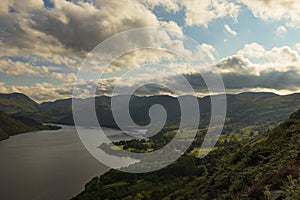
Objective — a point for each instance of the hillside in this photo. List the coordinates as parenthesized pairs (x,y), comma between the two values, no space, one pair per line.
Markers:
(266,167)
(16,103)
(257,111)
(247,113)
(11,125)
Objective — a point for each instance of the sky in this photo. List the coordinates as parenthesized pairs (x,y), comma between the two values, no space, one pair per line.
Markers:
(253,44)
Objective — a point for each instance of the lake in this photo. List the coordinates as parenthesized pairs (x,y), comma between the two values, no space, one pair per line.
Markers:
(46,165)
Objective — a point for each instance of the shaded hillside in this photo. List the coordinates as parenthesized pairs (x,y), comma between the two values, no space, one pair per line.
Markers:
(259,110)
(10,125)
(16,103)
(247,112)
(267,167)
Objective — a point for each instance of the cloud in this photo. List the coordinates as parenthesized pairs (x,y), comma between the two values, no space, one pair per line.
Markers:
(201,13)
(82,26)
(229,30)
(254,68)
(17,68)
(40,92)
(278,58)
(287,10)
(51,42)
(69,77)
(170,5)
(266,81)
(297,46)
(281,30)
(79,25)
(235,64)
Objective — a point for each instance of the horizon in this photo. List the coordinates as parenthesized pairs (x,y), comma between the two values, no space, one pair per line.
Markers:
(158,95)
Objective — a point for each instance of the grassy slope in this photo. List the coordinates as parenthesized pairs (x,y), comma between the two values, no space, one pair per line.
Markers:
(264,168)
(254,169)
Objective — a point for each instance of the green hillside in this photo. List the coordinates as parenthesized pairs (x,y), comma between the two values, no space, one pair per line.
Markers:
(266,167)
(260,169)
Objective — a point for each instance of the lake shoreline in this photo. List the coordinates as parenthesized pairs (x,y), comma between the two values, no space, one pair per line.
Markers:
(43,127)
(55,165)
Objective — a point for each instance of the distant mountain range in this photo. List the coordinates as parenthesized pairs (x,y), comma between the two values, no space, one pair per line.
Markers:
(259,109)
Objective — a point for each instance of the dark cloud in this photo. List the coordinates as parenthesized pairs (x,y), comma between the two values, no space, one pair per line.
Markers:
(236,64)
(71,27)
(276,80)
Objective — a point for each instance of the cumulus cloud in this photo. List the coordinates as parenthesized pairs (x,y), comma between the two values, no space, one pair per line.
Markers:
(201,13)
(254,67)
(40,92)
(79,26)
(287,10)
(17,68)
(65,77)
(170,5)
(297,46)
(229,30)
(235,64)
(281,30)
(279,58)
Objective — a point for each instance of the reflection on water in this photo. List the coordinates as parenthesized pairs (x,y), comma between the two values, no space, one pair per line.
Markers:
(93,138)
(47,165)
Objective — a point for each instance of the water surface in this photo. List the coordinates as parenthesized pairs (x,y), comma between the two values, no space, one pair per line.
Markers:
(46,165)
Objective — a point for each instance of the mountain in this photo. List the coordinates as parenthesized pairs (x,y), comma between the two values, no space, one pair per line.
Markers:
(11,125)
(16,103)
(261,111)
(266,167)
(15,112)
(251,112)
